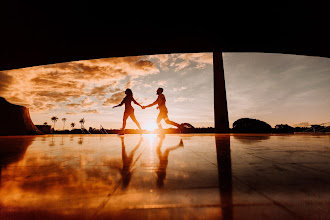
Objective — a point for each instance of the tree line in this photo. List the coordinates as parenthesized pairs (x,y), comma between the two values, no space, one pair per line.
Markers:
(55,119)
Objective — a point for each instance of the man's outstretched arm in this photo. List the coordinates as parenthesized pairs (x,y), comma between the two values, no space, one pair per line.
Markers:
(152,104)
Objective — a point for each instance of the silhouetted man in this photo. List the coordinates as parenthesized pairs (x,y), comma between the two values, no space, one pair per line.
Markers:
(163,160)
(162,110)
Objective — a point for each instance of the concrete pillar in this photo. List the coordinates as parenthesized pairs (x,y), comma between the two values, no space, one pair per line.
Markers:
(221,122)
(225,175)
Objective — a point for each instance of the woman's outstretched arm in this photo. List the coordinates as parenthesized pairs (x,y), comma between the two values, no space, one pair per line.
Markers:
(122,102)
(136,102)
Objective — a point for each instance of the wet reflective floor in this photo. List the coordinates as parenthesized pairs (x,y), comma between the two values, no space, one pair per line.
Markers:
(172,177)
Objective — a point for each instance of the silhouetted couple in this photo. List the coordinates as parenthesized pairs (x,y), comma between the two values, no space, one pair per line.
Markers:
(129,110)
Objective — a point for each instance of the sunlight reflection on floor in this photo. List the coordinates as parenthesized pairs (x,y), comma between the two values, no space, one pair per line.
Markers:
(168,177)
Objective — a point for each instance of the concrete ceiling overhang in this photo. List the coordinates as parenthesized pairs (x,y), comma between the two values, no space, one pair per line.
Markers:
(32,36)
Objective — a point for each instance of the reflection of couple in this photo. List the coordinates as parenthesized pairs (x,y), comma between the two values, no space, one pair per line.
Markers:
(126,170)
(129,110)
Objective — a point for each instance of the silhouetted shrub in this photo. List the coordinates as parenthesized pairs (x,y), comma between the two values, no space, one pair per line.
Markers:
(249,125)
(283,129)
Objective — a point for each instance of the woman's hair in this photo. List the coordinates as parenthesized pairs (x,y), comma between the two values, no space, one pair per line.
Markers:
(129,92)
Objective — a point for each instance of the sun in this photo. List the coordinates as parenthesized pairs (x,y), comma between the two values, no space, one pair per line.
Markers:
(150,126)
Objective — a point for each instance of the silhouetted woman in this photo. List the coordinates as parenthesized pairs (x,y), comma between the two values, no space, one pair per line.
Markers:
(129,110)
(126,171)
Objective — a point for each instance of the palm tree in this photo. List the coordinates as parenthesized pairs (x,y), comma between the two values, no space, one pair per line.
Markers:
(64,120)
(45,123)
(73,124)
(82,121)
(54,119)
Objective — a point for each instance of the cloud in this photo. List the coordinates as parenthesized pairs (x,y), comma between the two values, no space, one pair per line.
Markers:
(128,84)
(94,111)
(161,83)
(101,91)
(114,99)
(163,60)
(192,60)
(148,100)
(179,89)
(182,99)
(145,65)
(71,113)
(183,61)
(16,100)
(118,67)
(55,83)
(41,106)
(5,82)
(56,96)
(181,65)
(73,105)
(87,102)
(302,124)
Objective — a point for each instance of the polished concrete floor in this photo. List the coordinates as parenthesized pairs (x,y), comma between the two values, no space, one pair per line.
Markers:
(173,177)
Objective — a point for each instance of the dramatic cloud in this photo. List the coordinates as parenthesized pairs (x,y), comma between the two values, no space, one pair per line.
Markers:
(5,82)
(183,61)
(56,96)
(85,103)
(67,85)
(163,60)
(114,99)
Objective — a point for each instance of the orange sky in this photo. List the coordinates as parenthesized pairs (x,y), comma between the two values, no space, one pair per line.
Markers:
(275,88)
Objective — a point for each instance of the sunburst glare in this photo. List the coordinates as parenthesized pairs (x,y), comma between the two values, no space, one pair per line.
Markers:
(150,138)
(150,126)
